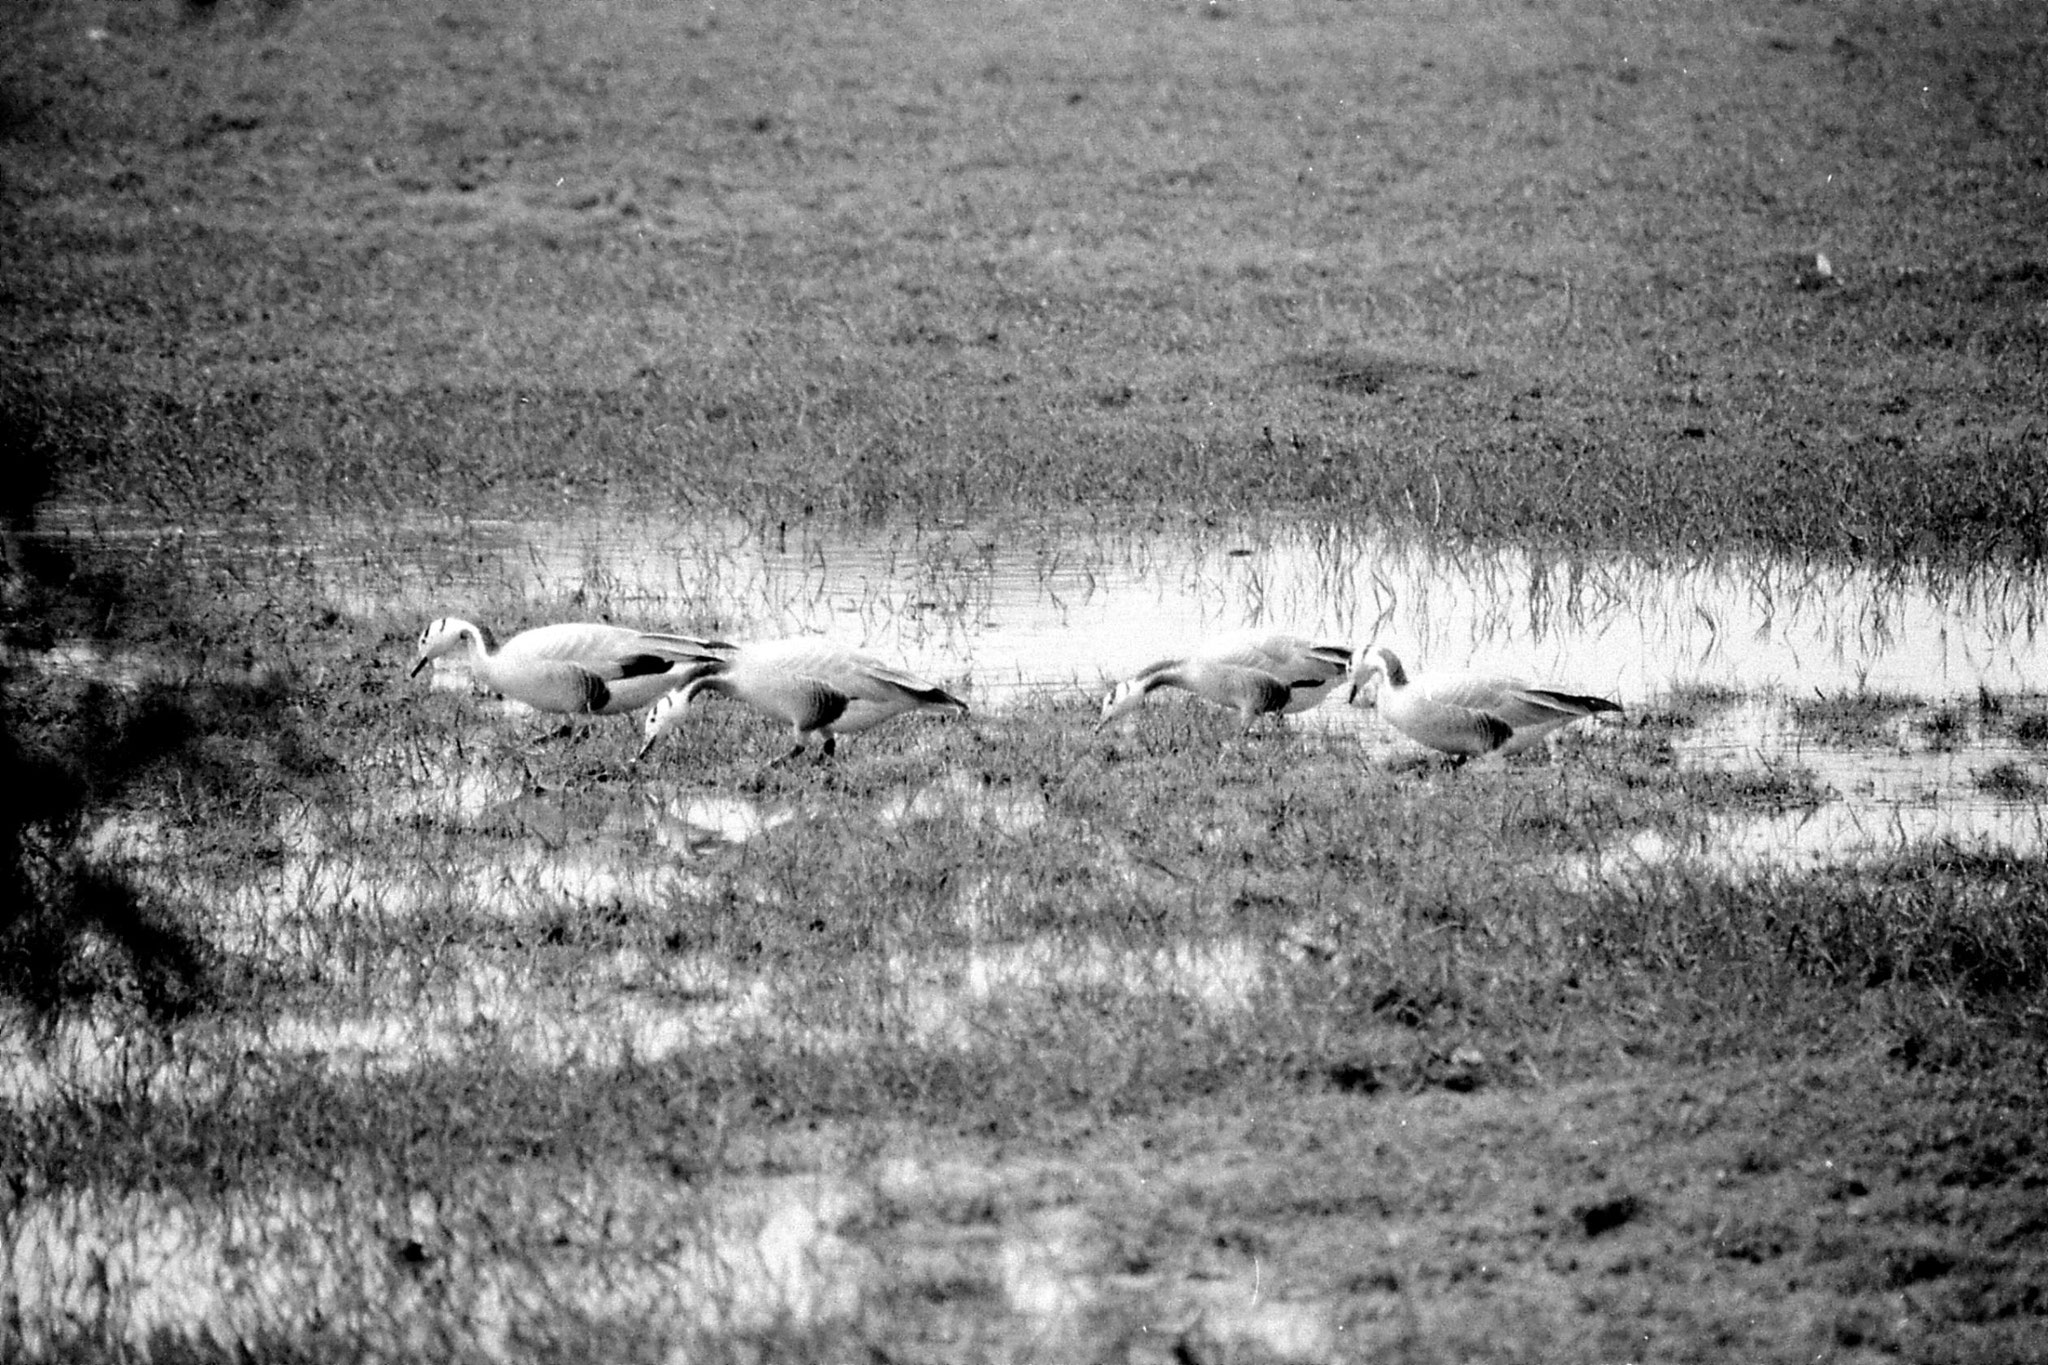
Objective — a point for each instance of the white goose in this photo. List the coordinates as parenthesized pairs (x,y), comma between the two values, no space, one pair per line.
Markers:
(816,687)
(1467,714)
(575,668)
(1254,673)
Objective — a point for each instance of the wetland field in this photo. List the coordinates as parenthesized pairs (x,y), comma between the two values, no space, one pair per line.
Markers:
(1690,355)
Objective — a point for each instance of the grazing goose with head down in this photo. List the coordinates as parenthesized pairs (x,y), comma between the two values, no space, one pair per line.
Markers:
(1468,714)
(810,684)
(575,668)
(1254,673)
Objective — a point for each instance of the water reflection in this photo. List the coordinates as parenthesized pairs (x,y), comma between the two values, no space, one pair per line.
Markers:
(1020,610)
(1016,612)
(1877,800)
(1007,610)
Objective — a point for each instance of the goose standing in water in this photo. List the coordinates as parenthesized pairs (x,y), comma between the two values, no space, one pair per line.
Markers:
(1468,714)
(1254,673)
(810,684)
(582,668)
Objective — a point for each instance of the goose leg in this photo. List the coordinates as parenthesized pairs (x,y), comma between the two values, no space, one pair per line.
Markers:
(760,777)
(796,751)
(547,740)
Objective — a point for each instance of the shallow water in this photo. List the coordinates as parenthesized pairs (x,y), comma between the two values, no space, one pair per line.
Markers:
(1009,611)
(1876,799)
(1003,613)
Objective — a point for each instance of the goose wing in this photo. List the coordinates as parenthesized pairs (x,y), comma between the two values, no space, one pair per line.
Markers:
(1309,670)
(1445,719)
(546,684)
(1285,656)
(1478,691)
(1568,704)
(589,667)
(575,641)
(685,647)
(1247,688)
(598,644)
(1475,713)
(881,684)
(855,675)
(1513,700)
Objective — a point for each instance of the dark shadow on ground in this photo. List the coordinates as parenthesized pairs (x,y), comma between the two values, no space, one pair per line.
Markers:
(71,748)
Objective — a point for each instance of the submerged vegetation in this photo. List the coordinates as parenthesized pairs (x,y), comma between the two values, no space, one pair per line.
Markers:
(344,1020)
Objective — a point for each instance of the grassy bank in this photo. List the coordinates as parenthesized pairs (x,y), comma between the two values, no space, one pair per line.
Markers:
(1501,271)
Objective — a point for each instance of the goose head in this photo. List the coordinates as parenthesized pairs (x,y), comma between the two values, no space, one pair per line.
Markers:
(446,635)
(1378,662)
(666,713)
(1121,701)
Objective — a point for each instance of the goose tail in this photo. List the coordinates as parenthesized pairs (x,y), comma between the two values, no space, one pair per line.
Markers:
(939,699)
(684,648)
(1572,702)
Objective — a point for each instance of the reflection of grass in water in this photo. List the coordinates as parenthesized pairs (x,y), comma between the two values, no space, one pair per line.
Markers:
(1865,718)
(1852,718)
(2031,729)
(2011,781)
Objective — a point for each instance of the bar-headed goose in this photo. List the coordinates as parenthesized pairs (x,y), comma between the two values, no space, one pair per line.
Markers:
(574,668)
(1468,714)
(810,684)
(1253,672)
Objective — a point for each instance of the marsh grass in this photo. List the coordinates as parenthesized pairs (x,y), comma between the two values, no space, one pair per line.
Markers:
(985,934)
(448,963)
(998,1039)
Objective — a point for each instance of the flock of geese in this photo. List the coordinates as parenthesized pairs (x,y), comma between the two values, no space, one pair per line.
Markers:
(821,689)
